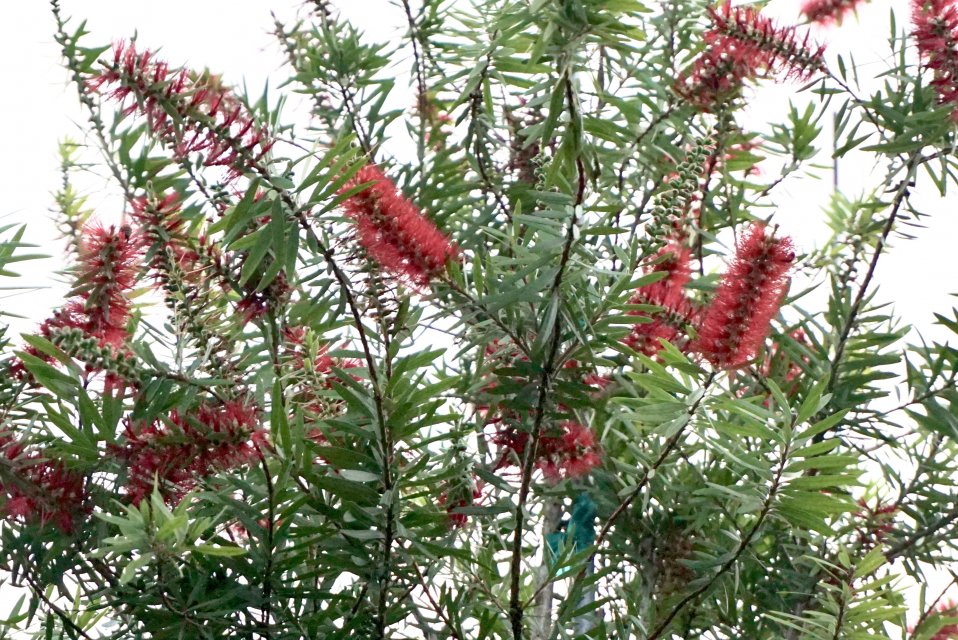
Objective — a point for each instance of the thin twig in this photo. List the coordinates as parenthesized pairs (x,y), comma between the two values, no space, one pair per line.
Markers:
(647,474)
(516,607)
(901,193)
(742,546)
(52,606)
(435,605)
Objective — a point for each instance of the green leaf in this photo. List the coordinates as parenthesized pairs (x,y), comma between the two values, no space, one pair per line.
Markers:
(48,376)
(219,550)
(870,563)
(129,571)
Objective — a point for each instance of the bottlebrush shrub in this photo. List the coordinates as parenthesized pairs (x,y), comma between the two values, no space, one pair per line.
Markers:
(511,339)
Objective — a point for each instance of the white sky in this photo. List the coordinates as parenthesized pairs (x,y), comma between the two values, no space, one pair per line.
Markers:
(38,108)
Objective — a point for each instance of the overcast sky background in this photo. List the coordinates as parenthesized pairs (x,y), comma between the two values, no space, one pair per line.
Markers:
(38,108)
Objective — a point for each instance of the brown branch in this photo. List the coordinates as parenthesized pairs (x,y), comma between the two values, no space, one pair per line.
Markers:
(516,607)
(928,611)
(56,610)
(435,605)
(946,520)
(270,533)
(647,474)
(728,564)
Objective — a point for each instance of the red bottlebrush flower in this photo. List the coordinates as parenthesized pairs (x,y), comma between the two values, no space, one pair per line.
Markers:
(673,259)
(947,609)
(588,376)
(874,522)
(455,498)
(161,214)
(597,381)
(574,452)
(41,490)
(109,264)
(828,11)
(936,34)
(718,74)
(188,112)
(780,49)
(164,230)
(513,443)
(256,304)
(393,231)
(253,306)
(107,270)
(646,338)
(743,44)
(314,374)
(171,247)
(668,293)
(738,319)
(177,454)
(175,258)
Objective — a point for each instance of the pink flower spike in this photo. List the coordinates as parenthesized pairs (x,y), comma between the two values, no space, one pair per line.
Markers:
(189,447)
(569,450)
(44,490)
(743,45)
(780,49)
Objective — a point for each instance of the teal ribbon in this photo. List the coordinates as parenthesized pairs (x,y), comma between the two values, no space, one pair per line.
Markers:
(578,533)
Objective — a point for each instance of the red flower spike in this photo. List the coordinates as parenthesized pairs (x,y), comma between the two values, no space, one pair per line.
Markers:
(45,490)
(316,371)
(779,49)
(597,381)
(936,34)
(668,293)
(874,522)
(749,296)
(109,264)
(574,452)
(106,272)
(947,609)
(673,259)
(393,231)
(742,45)
(208,117)
(719,74)
(164,229)
(162,214)
(456,519)
(828,11)
(212,438)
